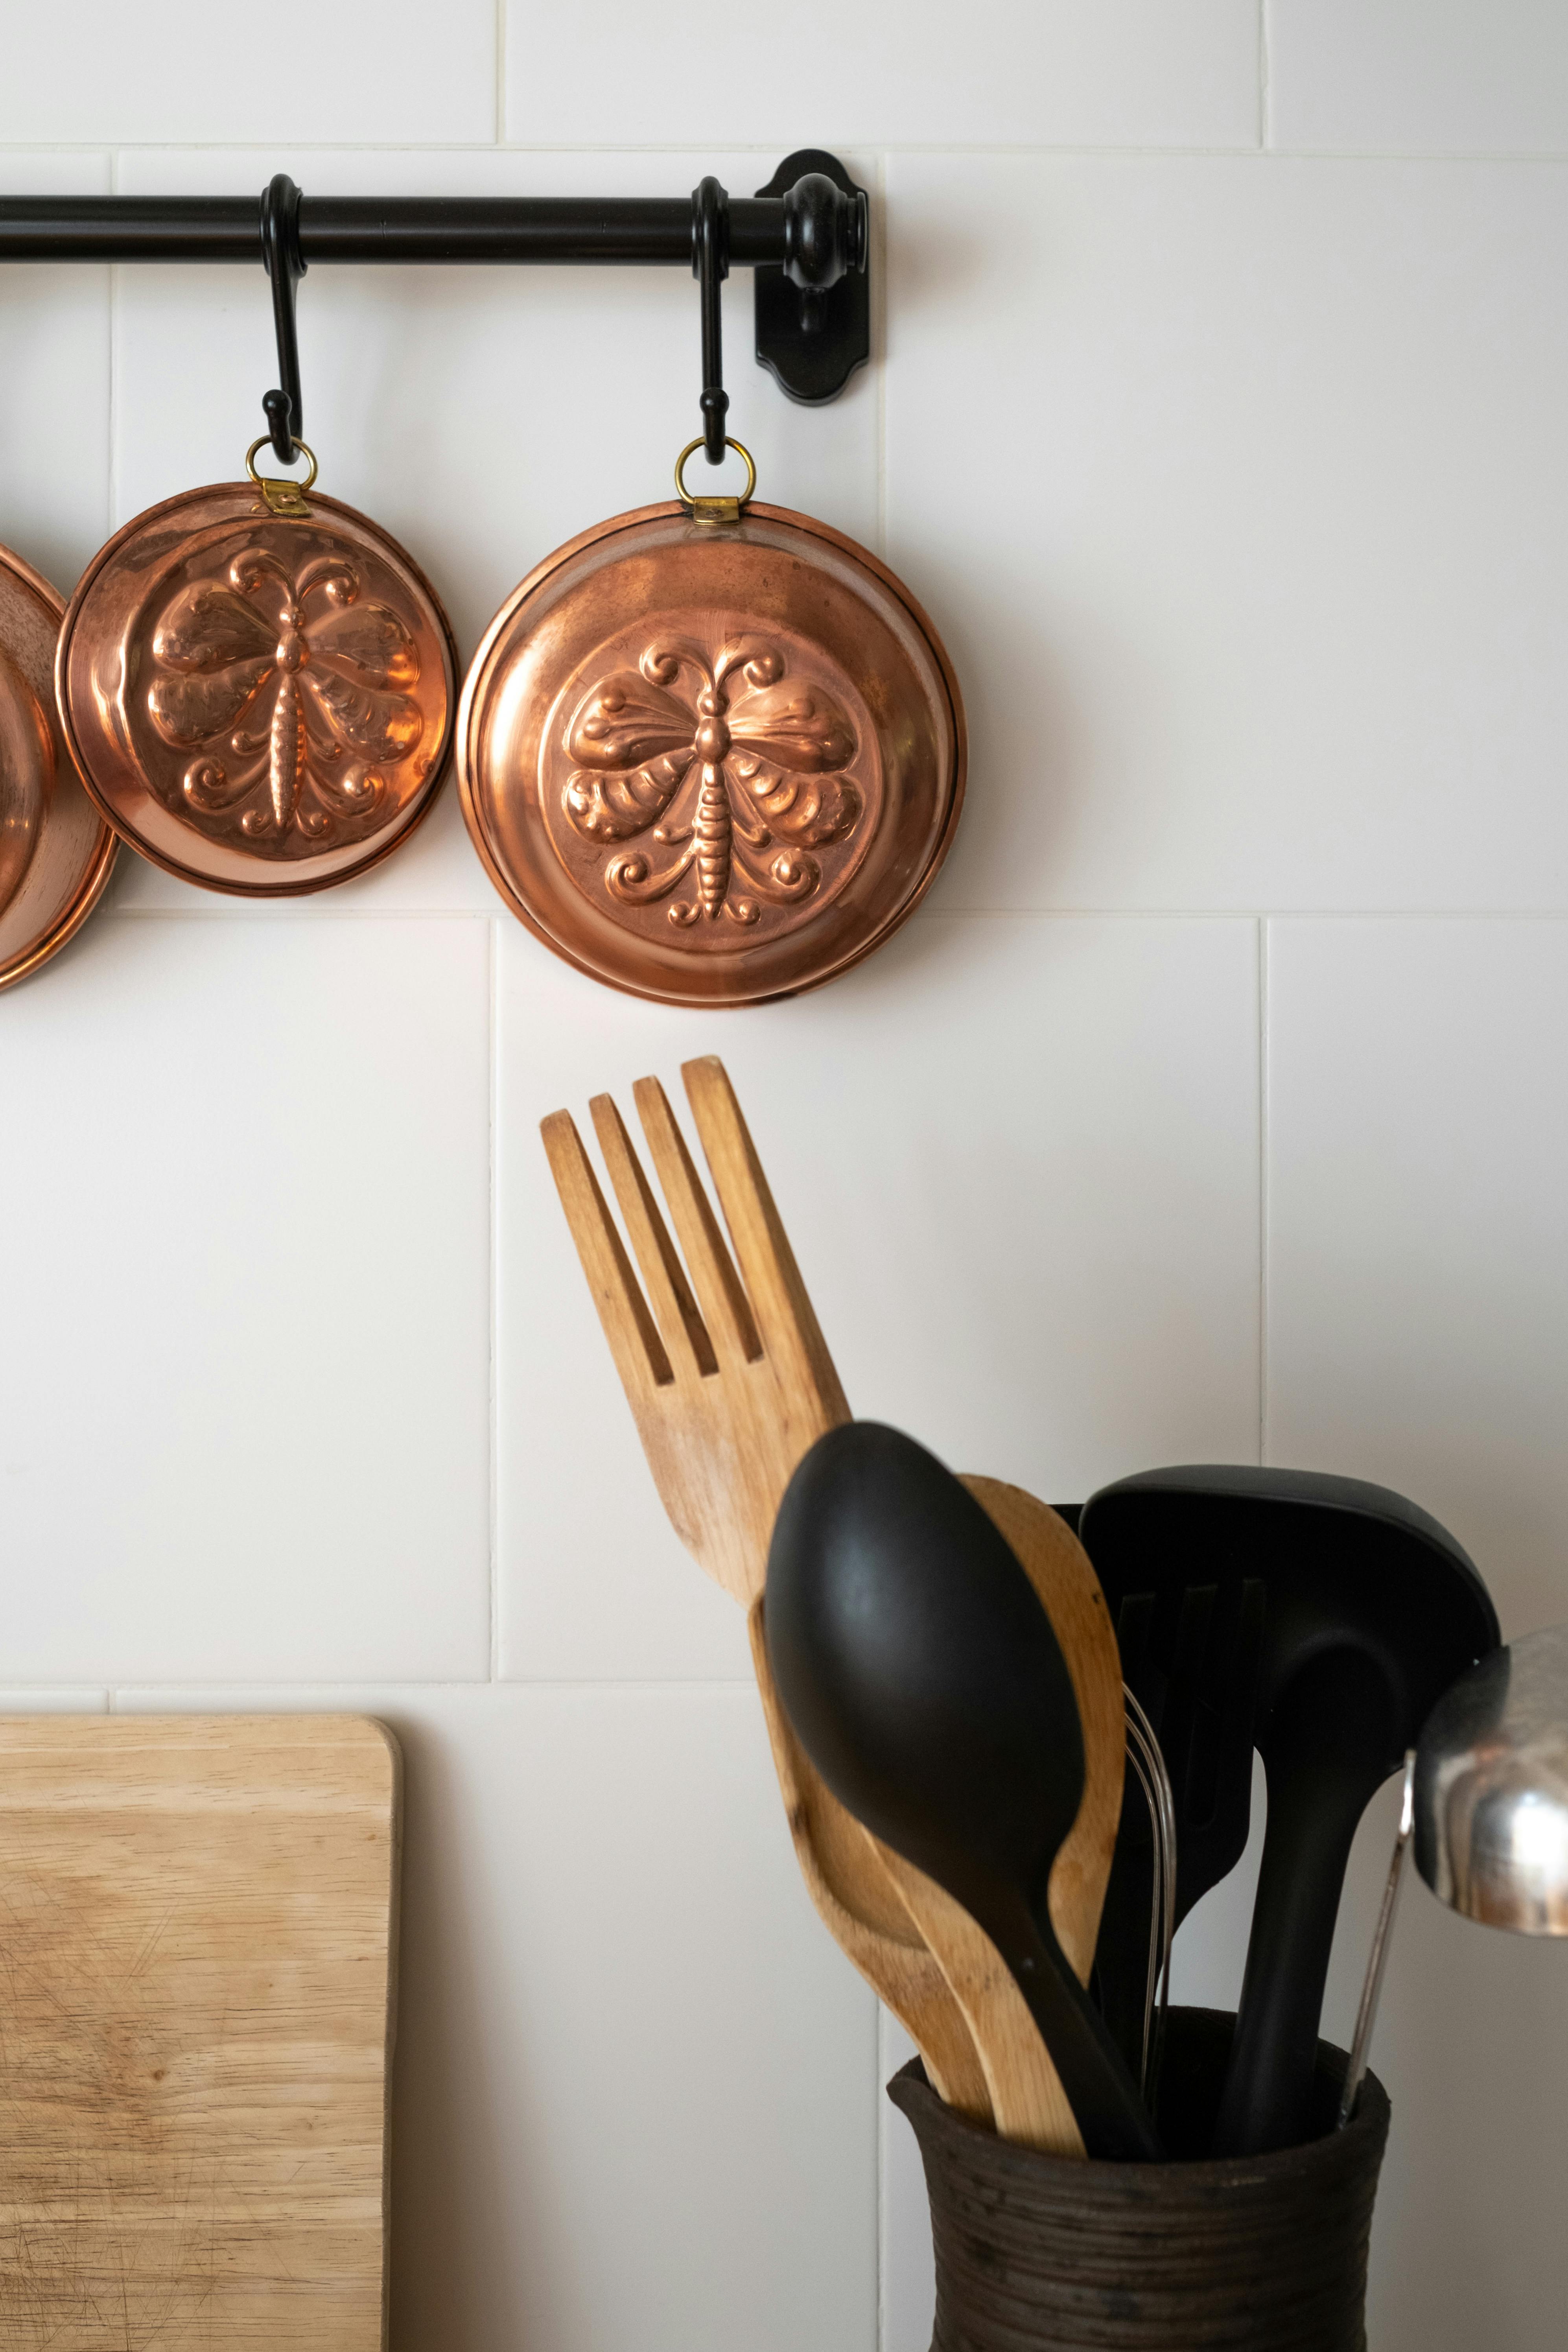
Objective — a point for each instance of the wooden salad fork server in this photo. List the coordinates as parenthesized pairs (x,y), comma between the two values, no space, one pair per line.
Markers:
(730,1381)
(728,1386)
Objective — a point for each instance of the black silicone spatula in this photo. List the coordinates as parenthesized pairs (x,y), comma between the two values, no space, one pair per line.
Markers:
(921,1675)
(1371,1609)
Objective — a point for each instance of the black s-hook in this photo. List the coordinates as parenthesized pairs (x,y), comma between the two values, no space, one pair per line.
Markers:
(285,266)
(710,267)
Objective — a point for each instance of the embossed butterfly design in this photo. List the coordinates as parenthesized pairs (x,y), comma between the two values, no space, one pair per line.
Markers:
(724,779)
(287,675)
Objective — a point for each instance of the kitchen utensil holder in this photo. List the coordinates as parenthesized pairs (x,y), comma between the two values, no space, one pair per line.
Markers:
(805,235)
(1268,2253)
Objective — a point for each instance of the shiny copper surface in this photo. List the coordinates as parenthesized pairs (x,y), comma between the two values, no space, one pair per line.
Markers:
(259,705)
(712,765)
(56,852)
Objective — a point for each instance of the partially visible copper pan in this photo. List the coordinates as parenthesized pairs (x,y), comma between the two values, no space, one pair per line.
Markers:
(258,687)
(56,851)
(711,762)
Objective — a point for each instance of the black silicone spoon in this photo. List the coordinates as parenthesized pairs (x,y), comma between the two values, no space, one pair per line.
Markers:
(1372,1611)
(921,1676)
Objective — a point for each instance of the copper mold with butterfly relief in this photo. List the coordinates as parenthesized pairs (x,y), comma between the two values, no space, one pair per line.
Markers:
(711,763)
(56,851)
(260,700)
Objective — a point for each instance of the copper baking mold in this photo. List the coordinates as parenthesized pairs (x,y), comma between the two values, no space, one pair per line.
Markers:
(711,763)
(260,703)
(56,851)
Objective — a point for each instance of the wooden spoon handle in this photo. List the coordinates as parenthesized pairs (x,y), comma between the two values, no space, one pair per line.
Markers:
(1059,1569)
(1027,2100)
(863,1910)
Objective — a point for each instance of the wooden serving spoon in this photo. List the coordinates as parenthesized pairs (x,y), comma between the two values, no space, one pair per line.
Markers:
(921,1674)
(1017,2088)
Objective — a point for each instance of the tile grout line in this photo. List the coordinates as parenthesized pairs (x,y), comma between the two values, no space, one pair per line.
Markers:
(500,73)
(1262,1191)
(493,971)
(1263,77)
(866,143)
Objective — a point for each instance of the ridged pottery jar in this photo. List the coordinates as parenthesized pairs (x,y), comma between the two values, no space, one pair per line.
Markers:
(1267,2253)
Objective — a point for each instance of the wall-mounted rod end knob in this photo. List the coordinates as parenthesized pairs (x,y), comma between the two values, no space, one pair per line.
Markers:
(827,232)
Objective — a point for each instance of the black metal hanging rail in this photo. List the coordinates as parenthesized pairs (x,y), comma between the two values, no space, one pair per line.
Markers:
(387,228)
(805,235)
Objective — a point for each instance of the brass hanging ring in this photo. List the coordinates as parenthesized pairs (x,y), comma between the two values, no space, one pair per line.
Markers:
(286,482)
(692,498)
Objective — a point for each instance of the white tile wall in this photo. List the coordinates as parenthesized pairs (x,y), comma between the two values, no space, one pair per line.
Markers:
(1417,1301)
(1418,1226)
(208,71)
(1210,1107)
(246,1403)
(1262,603)
(55,384)
(1078,1297)
(1169,73)
(1408,76)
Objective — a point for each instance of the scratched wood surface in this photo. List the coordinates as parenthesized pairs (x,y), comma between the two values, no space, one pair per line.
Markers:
(196,1977)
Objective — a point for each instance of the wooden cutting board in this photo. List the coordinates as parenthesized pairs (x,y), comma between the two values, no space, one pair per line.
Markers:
(196,1973)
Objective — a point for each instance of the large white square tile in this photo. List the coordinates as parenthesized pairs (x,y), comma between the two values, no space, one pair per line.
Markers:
(483,416)
(1417,1220)
(1260,600)
(1416,1302)
(1416,1306)
(1169,73)
(55,383)
(1018,1161)
(193,71)
(636,2087)
(244,1402)
(1397,76)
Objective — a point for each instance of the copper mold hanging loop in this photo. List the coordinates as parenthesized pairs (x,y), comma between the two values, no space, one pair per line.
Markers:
(285,266)
(710,267)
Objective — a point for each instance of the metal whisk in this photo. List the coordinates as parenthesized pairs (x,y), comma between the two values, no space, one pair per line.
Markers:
(1149,1764)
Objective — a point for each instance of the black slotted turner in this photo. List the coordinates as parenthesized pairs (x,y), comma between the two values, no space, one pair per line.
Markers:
(1372,1611)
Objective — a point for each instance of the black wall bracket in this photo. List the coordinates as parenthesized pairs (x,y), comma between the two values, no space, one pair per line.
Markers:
(805,235)
(813,332)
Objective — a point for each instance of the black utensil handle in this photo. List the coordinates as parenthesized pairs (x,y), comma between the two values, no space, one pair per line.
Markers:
(1111,2116)
(1267,2090)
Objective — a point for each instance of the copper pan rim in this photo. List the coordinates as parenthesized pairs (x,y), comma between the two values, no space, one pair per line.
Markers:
(380,846)
(95,882)
(731,996)
(91,877)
